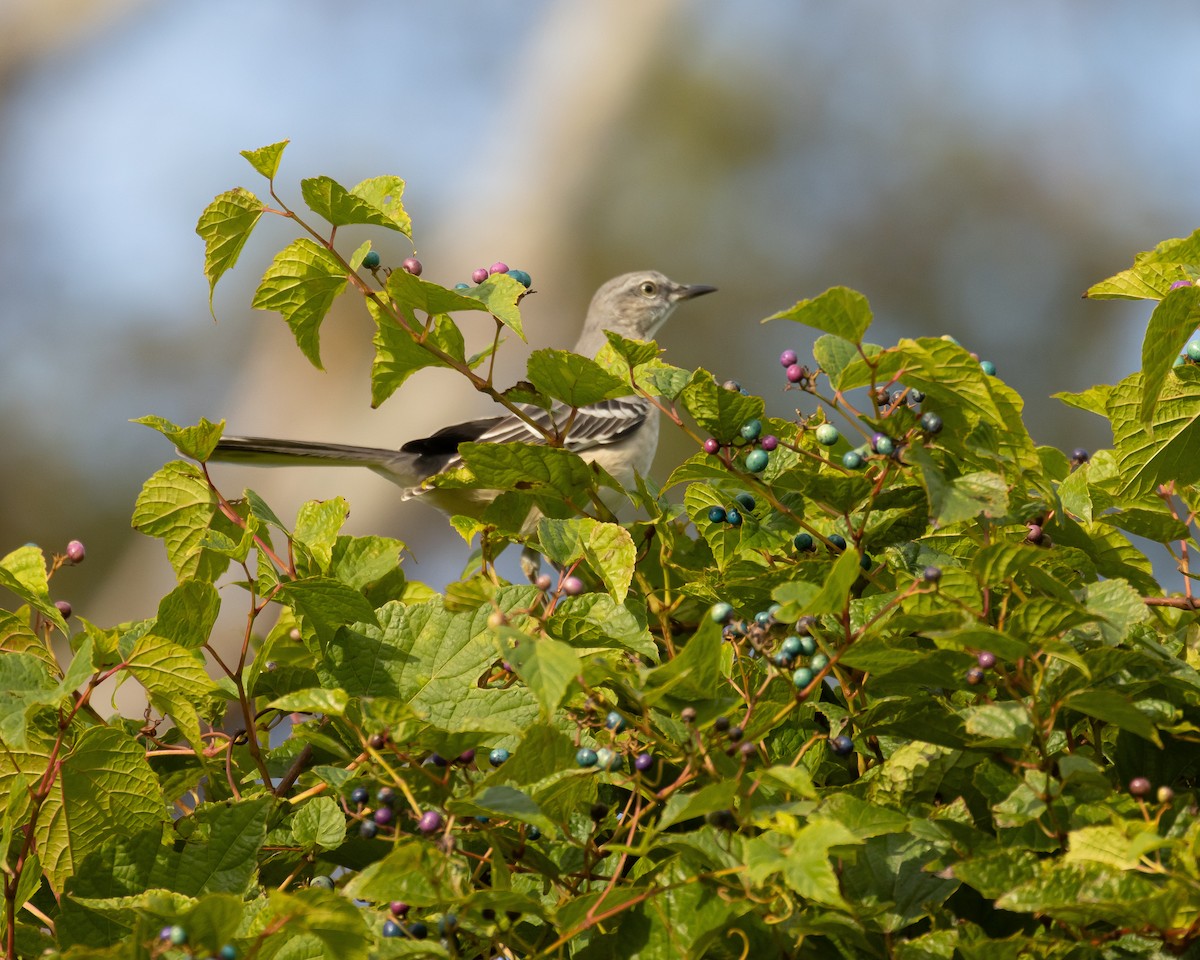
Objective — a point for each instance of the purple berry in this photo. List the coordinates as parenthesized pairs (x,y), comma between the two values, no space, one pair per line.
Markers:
(1180,283)
(1139,786)
(643,762)
(480,275)
(711,445)
(787,358)
(572,586)
(382,816)
(795,373)
(498,267)
(1080,455)
(467,756)
(544,582)
(986,659)
(64,608)
(75,551)
(412,265)
(931,574)
(399,908)
(430,821)
(769,442)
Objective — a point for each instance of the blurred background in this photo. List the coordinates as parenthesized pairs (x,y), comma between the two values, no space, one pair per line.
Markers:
(971,168)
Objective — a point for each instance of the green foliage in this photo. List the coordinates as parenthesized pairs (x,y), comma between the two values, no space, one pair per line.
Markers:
(986,661)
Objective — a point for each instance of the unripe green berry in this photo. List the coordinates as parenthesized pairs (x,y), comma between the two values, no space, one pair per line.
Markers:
(827,434)
(751,429)
(757,460)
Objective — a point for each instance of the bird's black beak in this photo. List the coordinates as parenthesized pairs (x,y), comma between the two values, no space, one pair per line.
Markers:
(695,290)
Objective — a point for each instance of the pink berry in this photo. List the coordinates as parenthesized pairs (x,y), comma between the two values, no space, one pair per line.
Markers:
(787,358)
(544,582)
(412,265)
(711,445)
(1139,786)
(480,275)
(769,442)
(498,267)
(572,586)
(986,659)
(75,551)
(430,821)
(795,373)
(1180,283)
(64,608)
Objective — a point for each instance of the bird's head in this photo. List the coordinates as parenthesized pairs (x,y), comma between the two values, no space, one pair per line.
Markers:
(635,305)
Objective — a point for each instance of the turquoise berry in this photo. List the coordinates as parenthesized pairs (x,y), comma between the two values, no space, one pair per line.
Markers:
(916,396)
(1179,361)
(838,540)
(721,612)
(852,460)
(803,541)
(498,756)
(462,286)
(614,722)
(732,517)
(931,422)
(762,618)
(228,952)
(791,647)
(990,368)
(745,501)
(608,759)
(819,661)
(866,562)
(716,514)
(178,936)
(802,677)
(827,434)
(808,646)
(522,278)
(371,260)
(751,429)
(1193,350)
(953,340)
(781,659)
(585,757)
(757,460)
(321,881)
(883,444)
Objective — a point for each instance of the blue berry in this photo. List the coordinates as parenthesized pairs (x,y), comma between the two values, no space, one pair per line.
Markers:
(762,618)
(787,358)
(418,930)
(841,745)
(975,676)
(716,514)
(1080,455)
(732,516)
(987,367)
(802,678)
(804,626)
(838,540)
(721,612)
(931,574)
(827,434)
(751,429)
(448,924)
(368,829)
(392,929)
(614,722)
(745,501)
(533,833)
(916,396)
(386,796)
(931,422)
(371,260)
(359,796)
(852,460)
(757,460)
(803,541)
(585,757)
(791,647)
(498,756)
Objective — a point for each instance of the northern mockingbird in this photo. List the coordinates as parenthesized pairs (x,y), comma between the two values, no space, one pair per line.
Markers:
(620,435)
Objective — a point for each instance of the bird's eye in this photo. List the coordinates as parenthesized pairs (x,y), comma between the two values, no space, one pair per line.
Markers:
(649,288)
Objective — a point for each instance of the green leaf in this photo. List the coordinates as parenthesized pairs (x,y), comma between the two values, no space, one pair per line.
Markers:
(954,500)
(384,194)
(633,353)
(801,857)
(834,355)
(266,159)
(327,604)
(839,310)
(301,284)
(502,802)
(398,354)
(1164,450)
(23,572)
(500,294)
(688,806)
(317,526)
(594,621)
(187,614)
(547,666)
(328,198)
(692,674)
(221,855)
(1173,321)
(316,700)
(197,442)
(719,412)
(1092,400)
(1157,525)
(177,506)
(319,824)
(1153,272)
(529,466)
(1113,707)
(835,592)
(575,380)
(994,725)
(610,552)
(413,871)
(413,295)
(174,678)
(225,226)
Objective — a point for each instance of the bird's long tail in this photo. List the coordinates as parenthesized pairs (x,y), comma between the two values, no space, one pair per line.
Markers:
(266,452)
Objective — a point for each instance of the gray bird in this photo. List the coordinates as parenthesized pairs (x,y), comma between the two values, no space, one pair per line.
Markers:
(620,435)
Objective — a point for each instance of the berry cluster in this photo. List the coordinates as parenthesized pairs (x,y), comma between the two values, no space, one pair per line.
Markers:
(412,265)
